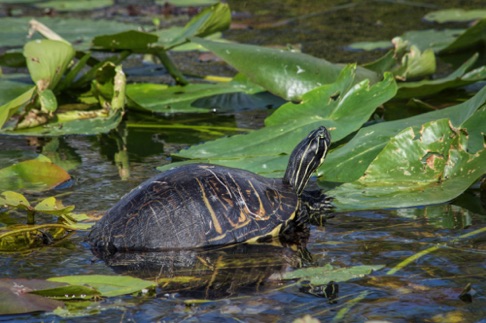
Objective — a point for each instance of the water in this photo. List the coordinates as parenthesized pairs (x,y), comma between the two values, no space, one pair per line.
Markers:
(427,289)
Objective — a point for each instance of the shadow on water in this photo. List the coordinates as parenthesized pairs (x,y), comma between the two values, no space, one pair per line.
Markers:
(208,274)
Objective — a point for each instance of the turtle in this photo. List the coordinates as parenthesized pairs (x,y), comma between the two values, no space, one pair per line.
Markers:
(205,205)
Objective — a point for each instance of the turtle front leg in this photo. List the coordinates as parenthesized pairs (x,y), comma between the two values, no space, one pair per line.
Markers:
(319,206)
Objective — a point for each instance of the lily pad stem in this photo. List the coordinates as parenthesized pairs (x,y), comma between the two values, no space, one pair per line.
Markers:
(171,68)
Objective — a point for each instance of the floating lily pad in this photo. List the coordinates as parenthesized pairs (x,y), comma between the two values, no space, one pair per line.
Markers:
(455,15)
(176,99)
(62,5)
(108,286)
(79,32)
(327,273)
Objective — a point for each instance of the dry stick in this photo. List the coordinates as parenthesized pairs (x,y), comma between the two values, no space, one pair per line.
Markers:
(37,26)
(416,256)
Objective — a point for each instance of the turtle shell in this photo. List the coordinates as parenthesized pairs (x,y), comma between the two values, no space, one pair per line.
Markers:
(196,205)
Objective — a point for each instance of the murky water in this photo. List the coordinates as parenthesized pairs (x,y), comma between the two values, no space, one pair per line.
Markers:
(426,290)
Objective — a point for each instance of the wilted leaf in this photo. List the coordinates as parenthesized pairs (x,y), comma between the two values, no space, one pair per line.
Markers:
(47,61)
(327,273)
(13,199)
(108,286)
(36,174)
(416,168)
(17,299)
(74,123)
(109,90)
(51,205)
(283,73)
(349,162)
(456,79)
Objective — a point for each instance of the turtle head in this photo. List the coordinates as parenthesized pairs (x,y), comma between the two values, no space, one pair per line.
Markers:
(306,158)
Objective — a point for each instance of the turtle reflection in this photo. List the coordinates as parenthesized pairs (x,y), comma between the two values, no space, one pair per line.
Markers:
(209,273)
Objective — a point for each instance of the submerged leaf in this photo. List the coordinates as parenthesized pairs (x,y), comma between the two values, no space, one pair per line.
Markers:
(108,286)
(17,298)
(18,238)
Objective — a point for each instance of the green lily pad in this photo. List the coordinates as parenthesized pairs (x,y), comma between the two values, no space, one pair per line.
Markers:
(416,168)
(350,161)
(370,45)
(455,15)
(327,273)
(176,99)
(283,73)
(62,5)
(431,38)
(36,175)
(108,286)
(79,32)
(187,3)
